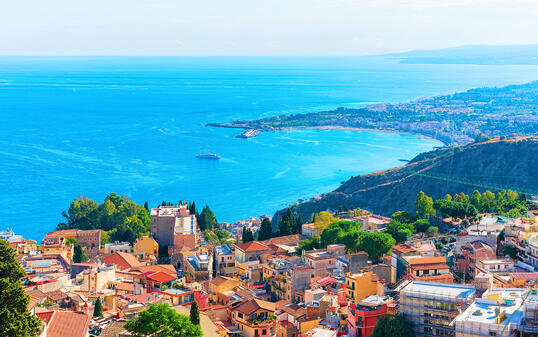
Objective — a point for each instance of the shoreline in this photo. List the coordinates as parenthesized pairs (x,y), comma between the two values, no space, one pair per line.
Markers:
(350,128)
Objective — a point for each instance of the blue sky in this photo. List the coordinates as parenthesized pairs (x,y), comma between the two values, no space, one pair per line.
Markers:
(254,27)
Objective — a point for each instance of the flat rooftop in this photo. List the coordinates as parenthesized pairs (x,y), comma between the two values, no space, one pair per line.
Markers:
(440,289)
(483,310)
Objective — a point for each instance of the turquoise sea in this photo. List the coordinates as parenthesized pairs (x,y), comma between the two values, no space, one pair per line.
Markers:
(81,125)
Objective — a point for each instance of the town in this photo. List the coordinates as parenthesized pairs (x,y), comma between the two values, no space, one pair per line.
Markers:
(449,270)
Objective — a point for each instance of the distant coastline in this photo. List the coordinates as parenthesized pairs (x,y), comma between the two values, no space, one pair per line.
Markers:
(455,119)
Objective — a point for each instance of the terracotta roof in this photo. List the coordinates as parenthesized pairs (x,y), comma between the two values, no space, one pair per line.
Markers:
(35,296)
(56,295)
(113,329)
(252,246)
(166,268)
(122,260)
(427,260)
(447,278)
(125,286)
(250,306)
(525,276)
(403,248)
(282,239)
(161,277)
(67,324)
(430,266)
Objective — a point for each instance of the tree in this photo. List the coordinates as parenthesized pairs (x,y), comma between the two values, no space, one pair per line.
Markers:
(432,231)
(286,224)
(377,244)
(421,225)
(79,255)
(265,232)
(510,251)
(247,235)
(298,225)
(424,205)
(98,308)
(399,231)
(488,201)
(195,313)
(146,206)
(476,199)
(207,219)
(393,326)
(448,197)
(163,321)
(15,319)
(323,220)
(404,217)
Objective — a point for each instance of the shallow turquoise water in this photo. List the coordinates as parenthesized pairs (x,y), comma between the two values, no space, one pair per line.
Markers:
(71,126)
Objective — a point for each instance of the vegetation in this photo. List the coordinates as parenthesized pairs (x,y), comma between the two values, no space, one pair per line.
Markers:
(510,251)
(206,219)
(122,219)
(79,255)
(217,236)
(195,313)
(266,231)
(98,308)
(247,235)
(424,206)
(15,319)
(288,224)
(323,220)
(393,326)
(350,234)
(163,321)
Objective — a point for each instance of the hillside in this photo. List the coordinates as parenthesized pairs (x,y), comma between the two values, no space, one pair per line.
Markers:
(494,165)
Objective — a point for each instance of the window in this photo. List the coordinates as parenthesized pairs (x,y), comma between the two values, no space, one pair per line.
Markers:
(264,332)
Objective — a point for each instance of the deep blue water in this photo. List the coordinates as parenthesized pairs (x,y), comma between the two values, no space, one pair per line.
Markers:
(71,126)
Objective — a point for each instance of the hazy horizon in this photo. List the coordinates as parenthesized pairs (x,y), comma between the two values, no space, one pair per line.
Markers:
(243,28)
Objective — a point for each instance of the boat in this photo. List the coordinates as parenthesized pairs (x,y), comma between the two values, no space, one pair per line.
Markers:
(208,156)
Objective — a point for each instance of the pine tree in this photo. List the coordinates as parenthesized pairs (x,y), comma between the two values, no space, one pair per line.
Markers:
(98,308)
(207,219)
(79,255)
(15,319)
(195,313)
(266,232)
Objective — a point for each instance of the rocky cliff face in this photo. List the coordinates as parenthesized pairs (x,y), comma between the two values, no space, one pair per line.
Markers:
(492,165)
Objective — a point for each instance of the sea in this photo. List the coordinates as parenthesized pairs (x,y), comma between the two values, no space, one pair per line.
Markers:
(72,126)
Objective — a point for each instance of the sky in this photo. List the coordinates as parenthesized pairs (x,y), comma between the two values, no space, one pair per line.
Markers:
(256,27)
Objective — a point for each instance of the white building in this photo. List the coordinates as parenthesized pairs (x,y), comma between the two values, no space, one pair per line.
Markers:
(498,313)
(115,247)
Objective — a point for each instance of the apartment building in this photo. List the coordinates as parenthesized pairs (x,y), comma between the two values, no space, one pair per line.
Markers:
(432,306)
(115,247)
(361,285)
(173,226)
(321,259)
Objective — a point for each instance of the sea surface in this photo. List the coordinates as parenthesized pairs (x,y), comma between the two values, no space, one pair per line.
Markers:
(90,126)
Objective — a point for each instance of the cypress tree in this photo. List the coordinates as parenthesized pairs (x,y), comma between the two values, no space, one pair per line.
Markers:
(247,235)
(298,225)
(79,255)
(195,313)
(146,206)
(15,319)
(266,232)
(286,224)
(98,308)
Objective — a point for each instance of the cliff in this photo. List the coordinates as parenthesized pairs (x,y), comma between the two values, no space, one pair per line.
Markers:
(493,165)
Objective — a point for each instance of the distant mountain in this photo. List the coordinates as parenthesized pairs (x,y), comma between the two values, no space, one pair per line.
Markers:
(492,165)
(479,54)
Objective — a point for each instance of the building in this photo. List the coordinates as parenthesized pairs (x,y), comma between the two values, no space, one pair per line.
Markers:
(57,245)
(505,265)
(429,269)
(297,280)
(220,289)
(224,263)
(432,306)
(173,226)
(248,252)
(65,323)
(90,241)
(498,313)
(362,285)
(321,259)
(198,267)
(470,254)
(121,260)
(122,247)
(146,248)
(255,318)
(309,230)
(373,222)
(362,316)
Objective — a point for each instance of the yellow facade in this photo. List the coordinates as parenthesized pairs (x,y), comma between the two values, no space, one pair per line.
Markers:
(146,247)
(359,286)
